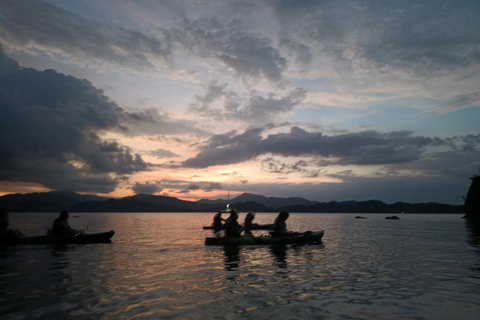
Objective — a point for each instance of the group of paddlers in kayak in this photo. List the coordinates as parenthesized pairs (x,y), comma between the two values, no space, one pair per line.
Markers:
(60,226)
(233,229)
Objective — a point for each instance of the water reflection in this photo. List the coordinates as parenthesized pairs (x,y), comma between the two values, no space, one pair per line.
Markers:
(279,252)
(473,234)
(473,230)
(275,255)
(59,258)
(232,257)
(161,269)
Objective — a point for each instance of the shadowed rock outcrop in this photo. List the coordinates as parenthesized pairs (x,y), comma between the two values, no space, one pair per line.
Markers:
(472,200)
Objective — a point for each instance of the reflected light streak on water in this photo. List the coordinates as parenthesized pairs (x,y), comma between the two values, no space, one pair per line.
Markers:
(419,267)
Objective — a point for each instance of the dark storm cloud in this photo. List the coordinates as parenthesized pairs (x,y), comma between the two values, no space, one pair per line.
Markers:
(50,125)
(38,24)
(146,188)
(223,150)
(362,148)
(220,103)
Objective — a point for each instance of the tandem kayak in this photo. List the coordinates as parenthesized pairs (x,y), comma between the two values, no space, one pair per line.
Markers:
(302,238)
(254,227)
(103,237)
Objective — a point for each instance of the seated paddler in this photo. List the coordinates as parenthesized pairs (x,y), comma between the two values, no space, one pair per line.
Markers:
(231,226)
(217,222)
(279,228)
(5,231)
(61,227)
(248,224)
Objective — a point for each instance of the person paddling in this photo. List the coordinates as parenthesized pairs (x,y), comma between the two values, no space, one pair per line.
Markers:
(248,224)
(217,222)
(279,228)
(231,226)
(4,219)
(4,226)
(62,228)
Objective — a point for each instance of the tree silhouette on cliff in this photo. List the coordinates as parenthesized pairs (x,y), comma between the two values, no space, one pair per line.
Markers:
(472,200)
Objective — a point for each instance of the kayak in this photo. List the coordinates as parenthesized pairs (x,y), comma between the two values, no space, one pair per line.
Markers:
(254,227)
(102,237)
(301,238)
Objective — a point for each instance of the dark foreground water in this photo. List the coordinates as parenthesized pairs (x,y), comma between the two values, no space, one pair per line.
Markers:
(157,267)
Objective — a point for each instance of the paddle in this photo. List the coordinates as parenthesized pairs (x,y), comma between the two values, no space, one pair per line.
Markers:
(79,233)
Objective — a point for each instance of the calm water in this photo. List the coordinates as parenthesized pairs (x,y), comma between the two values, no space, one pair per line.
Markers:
(419,267)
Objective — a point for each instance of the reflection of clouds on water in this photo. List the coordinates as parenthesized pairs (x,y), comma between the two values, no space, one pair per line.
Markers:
(54,281)
(158,267)
(40,295)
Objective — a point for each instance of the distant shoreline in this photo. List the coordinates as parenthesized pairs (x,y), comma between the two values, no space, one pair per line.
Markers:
(57,201)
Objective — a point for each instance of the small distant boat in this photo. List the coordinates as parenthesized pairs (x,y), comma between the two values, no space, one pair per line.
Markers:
(103,237)
(392,218)
(302,238)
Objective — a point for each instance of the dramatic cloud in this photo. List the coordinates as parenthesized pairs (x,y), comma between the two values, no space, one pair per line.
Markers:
(50,125)
(261,96)
(363,148)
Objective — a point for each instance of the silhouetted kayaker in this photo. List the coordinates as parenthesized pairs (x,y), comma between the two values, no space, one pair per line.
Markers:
(4,224)
(247,225)
(279,228)
(3,219)
(61,227)
(217,222)
(231,226)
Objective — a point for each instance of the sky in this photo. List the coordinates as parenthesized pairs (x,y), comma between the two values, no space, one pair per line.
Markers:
(328,100)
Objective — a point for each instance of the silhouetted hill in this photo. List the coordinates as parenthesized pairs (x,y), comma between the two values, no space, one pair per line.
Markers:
(271,202)
(143,203)
(44,201)
(57,201)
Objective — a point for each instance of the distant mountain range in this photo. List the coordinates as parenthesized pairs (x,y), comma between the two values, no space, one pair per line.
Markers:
(73,202)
